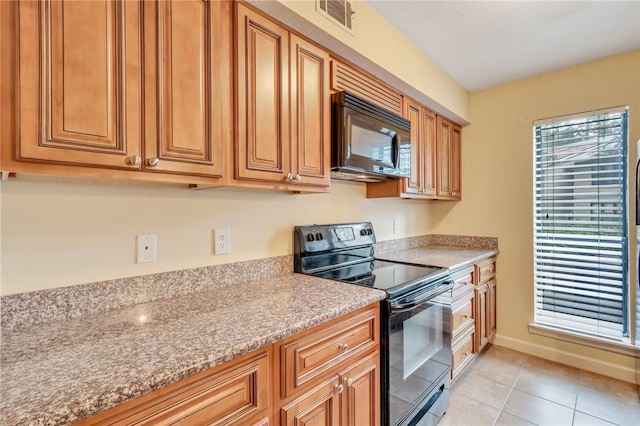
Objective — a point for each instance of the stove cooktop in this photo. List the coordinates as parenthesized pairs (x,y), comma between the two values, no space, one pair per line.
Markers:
(391,277)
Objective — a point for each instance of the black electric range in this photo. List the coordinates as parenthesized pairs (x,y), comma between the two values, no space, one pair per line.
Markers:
(416,341)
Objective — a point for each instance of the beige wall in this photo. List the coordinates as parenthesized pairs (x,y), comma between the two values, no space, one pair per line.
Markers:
(497,179)
(382,43)
(58,234)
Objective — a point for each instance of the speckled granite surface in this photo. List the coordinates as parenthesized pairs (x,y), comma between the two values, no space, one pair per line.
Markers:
(62,371)
(454,241)
(37,307)
(444,256)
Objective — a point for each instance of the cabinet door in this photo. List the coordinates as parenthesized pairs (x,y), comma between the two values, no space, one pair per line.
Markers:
(492,312)
(413,113)
(318,407)
(310,114)
(483,308)
(428,133)
(361,406)
(79,82)
(262,98)
(187,83)
(449,145)
(444,157)
(456,161)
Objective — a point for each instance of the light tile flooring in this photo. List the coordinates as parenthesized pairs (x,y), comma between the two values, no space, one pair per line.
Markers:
(505,387)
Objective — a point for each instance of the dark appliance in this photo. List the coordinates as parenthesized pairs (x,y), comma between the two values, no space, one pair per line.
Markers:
(369,143)
(416,315)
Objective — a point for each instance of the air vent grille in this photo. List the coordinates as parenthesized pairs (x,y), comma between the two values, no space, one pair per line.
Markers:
(337,11)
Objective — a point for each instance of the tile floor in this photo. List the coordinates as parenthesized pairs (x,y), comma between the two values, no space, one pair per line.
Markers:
(505,387)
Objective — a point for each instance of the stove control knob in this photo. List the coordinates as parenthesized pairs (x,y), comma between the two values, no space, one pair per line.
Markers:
(319,236)
(363,232)
(369,231)
(310,237)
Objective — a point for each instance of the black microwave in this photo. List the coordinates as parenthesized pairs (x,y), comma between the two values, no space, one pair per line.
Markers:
(369,143)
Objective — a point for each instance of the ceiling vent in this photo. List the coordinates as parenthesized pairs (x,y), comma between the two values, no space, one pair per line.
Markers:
(337,11)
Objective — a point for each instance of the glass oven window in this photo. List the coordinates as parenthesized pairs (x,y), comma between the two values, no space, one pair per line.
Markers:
(422,339)
(419,355)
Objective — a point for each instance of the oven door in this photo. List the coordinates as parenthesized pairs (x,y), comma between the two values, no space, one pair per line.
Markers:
(419,361)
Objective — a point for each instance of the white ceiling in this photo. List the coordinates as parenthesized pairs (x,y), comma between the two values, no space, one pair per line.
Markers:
(487,43)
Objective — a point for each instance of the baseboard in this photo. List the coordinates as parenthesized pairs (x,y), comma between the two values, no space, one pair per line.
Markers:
(595,366)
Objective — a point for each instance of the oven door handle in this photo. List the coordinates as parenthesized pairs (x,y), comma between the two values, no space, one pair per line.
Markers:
(403,307)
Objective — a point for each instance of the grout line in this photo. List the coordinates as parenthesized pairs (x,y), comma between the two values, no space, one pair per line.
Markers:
(507,398)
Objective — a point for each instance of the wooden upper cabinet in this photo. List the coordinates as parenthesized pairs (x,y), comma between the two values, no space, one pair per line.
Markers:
(310,114)
(422,182)
(80,82)
(187,98)
(413,113)
(429,165)
(448,159)
(345,77)
(283,111)
(263,98)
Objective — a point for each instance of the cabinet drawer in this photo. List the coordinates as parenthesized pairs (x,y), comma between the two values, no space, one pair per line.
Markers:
(463,282)
(485,270)
(325,347)
(462,353)
(462,315)
(231,394)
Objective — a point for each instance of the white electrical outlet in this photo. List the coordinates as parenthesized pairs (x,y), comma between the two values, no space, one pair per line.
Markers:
(222,241)
(146,248)
(396,226)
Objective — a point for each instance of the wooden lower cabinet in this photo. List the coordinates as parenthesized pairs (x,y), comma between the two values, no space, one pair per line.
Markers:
(473,317)
(320,406)
(234,393)
(330,375)
(484,279)
(343,388)
(361,396)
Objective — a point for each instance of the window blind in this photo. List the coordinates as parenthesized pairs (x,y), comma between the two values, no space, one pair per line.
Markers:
(580,223)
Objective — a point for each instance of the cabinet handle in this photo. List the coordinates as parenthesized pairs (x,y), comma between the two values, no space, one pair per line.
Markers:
(298,178)
(289,177)
(134,160)
(465,353)
(153,161)
(343,347)
(339,388)
(465,316)
(349,382)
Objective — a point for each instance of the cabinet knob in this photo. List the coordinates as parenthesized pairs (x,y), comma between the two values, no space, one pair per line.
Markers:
(349,382)
(298,178)
(343,346)
(153,161)
(339,388)
(465,316)
(465,353)
(289,177)
(134,160)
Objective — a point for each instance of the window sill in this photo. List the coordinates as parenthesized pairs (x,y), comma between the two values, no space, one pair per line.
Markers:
(580,339)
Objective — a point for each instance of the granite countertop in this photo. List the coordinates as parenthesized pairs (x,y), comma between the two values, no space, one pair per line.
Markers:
(451,257)
(65,370)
